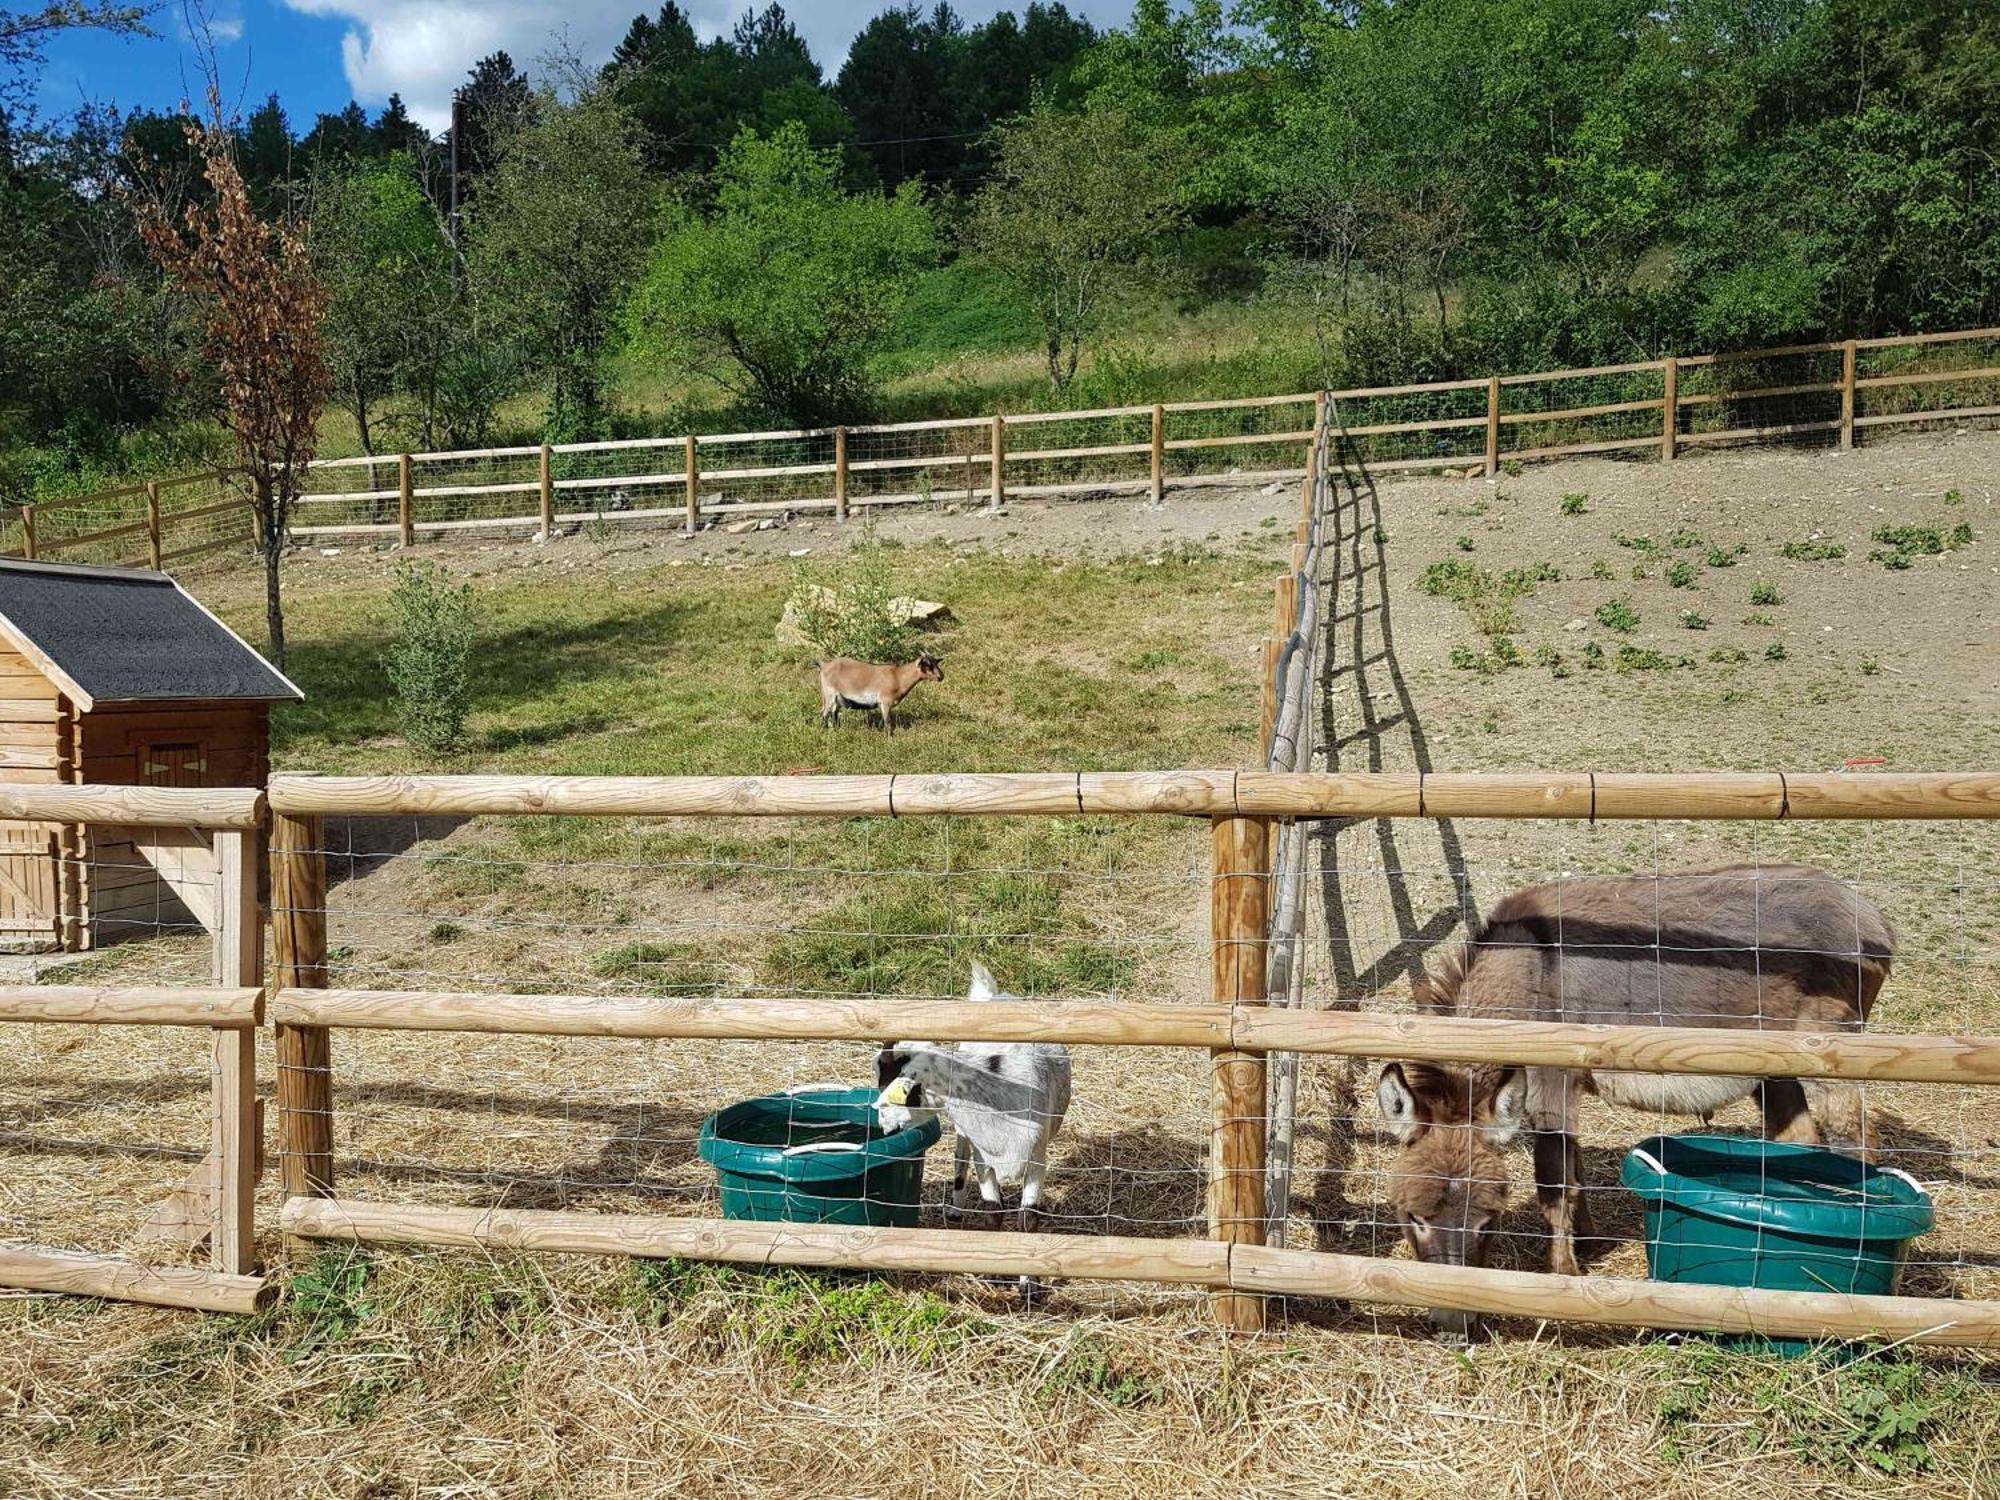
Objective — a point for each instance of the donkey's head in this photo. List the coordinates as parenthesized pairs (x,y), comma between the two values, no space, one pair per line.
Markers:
(1449,1183)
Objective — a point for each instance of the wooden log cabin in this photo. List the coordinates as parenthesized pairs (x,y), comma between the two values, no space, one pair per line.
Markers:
(116,676)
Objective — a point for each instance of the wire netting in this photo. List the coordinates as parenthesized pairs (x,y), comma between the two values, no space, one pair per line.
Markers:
(100,1124)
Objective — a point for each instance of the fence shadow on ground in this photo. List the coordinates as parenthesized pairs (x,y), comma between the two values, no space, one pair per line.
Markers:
(1359,654)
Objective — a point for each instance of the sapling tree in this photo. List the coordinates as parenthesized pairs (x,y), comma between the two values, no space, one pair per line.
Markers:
(259,306)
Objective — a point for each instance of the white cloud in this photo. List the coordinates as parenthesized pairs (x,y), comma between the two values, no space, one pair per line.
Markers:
(422,49)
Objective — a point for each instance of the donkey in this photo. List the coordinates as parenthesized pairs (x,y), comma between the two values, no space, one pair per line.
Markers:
(1781,947)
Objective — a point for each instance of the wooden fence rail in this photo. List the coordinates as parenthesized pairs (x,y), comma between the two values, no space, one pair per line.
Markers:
(1760,795)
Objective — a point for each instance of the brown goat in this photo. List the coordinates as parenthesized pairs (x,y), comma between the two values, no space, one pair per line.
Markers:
(847,683)
(1772,947)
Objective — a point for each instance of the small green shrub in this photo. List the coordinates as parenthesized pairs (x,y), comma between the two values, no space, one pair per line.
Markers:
(1618,615)
(1901,543)
(1758,617)
(1593,656)
(1547,656)
(1467,660)
(1683,574)
(1775,651)
(429,658)
(1683,538)
(1725,557)
(1810,551)
(1764,592)
(1465,544)
(1601,570)
(845,609)
(1694,620)
(1870,667)
(1729,655)
(1640,572)
(1505,652)
(1636,543)
(1953,497)
(1645,659)
(1574,502)
(1513,468)
(1487,597)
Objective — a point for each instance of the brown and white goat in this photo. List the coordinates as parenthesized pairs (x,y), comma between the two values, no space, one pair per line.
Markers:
(1776,947)
(847,683)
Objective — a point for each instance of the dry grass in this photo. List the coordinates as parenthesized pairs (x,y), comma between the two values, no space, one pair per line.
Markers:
(451,1374)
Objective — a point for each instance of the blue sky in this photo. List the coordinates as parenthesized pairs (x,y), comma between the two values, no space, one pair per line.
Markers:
(317,54)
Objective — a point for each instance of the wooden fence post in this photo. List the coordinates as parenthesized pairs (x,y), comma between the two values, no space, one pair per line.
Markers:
(1268,695)
(153,523)
(1670,407)
(840,473)
(1847,362)
(305,1056)
(235,1150)
(28,532)
(1159,454)
(1239,911)
(1288,603)
(405,501)
(548,482)
(693,487)
(1492,426)
(999,462)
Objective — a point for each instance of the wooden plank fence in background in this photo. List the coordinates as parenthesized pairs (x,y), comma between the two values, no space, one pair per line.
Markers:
(1664,406)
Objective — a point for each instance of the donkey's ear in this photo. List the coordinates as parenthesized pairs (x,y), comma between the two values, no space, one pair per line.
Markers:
(1397,1103)
(1510,1107)
(983,987)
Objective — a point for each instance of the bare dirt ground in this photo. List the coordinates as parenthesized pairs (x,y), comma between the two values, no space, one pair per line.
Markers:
(423,1375)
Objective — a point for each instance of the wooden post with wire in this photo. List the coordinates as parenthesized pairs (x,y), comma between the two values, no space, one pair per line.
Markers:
(153,524)
(1670,407)
(840,473)
(28,532)
(999,494)
(693,476)
(304,1053)
(548,494)
(1492,426)
(1268,695)
(1159,453)
(405,501)
(1287,610)
(1847,363)
(237,1122)
(1239,910)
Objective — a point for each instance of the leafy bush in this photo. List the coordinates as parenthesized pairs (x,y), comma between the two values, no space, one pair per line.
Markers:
(1764,592)
(1487,597)
(1683,537)
(1574,502)
(1775,651)
(1683,574)
(1725,557)
(1618,615)
(1694,619)
(1593,656)
(1729,655)
(1601,569)
(429,661)
(1645,659)
(1812,551)
(1465,544)
(846,609)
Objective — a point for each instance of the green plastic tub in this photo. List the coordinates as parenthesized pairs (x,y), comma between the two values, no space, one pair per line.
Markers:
(1733,1211)
(816,1156)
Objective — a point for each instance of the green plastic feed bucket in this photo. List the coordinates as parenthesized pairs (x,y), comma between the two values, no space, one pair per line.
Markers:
(1732,1211)
(816,1156)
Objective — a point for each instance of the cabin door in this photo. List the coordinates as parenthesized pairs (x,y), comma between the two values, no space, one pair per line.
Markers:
(27,886)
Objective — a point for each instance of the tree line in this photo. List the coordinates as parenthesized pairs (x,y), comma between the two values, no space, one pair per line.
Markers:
(1422,190)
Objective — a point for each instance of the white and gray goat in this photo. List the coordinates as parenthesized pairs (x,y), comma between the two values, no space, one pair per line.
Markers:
(1005,1101)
